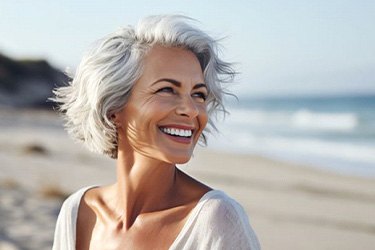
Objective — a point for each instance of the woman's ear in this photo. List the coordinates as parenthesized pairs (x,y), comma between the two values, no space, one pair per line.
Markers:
(116,119)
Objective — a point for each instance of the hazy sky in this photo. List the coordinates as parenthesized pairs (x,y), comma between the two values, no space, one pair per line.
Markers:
(281,47)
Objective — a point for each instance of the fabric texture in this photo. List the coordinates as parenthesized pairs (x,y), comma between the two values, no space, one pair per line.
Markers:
(216,222)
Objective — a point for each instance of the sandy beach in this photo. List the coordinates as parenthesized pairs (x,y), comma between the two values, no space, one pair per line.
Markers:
(290,206)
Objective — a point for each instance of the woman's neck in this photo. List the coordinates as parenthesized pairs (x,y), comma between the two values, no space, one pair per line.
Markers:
(143,185)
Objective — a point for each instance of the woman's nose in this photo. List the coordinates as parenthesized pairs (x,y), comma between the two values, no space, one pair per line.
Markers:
(187,107)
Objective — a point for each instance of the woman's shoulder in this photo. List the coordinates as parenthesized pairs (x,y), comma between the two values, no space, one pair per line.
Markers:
(218,205)
(74,199)
(64,237)
(69,209)
(226,219)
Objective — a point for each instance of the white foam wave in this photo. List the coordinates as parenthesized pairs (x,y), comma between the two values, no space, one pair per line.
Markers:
(301,120)
(305,119)
(308,147)
(321,148)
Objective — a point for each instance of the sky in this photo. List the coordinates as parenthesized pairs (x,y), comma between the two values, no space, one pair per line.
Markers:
(280,48)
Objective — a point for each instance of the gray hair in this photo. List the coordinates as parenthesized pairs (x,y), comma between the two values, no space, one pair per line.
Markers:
(107,73)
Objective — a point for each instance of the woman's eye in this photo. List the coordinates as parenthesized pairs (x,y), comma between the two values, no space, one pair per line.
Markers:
(200,95)
(165,90)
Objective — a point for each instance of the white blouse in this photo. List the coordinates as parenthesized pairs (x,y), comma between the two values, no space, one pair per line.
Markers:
(216,222)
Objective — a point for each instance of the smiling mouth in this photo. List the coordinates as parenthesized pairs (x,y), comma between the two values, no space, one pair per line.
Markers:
(176,132)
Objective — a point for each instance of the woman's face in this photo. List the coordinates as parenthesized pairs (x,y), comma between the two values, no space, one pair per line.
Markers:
(166,111)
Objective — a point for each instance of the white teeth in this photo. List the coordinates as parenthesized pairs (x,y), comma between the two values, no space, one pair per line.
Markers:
(179,132)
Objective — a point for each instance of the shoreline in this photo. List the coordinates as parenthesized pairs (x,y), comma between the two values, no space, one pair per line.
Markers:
(319,165)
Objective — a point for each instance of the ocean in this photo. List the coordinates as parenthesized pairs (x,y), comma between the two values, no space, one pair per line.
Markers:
(333,133)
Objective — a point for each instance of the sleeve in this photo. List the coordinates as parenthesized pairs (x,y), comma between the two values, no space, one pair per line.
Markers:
(229,227)
(64,237)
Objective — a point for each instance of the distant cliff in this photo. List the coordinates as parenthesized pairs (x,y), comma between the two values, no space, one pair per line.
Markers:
(28,83)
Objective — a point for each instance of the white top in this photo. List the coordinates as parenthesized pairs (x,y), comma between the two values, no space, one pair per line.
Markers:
(216,222)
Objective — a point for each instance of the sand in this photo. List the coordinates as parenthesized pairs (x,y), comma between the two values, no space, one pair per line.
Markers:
(290,206)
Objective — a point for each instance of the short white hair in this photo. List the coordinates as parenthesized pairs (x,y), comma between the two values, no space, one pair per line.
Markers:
(107,73)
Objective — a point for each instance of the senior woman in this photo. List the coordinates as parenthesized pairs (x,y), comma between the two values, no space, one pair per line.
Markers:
(144,96)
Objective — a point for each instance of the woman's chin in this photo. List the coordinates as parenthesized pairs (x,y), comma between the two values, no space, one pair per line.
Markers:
(182,161)
(178,159)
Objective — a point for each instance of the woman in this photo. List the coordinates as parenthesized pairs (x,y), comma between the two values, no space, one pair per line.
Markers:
(143,96)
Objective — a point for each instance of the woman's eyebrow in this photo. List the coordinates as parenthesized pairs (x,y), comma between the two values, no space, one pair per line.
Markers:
(200,85)
(174,82)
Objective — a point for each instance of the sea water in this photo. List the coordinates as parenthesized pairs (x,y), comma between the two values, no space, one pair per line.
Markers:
(335,133)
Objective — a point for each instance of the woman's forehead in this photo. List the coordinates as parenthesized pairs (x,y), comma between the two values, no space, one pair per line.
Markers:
(172,63)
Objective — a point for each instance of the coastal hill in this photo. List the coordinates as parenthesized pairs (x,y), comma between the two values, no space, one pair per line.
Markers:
(28,83)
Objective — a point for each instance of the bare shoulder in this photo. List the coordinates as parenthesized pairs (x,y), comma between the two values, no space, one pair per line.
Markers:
(89,204)
(191,188)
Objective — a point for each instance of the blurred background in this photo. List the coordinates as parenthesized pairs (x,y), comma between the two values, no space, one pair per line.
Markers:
(306,98)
